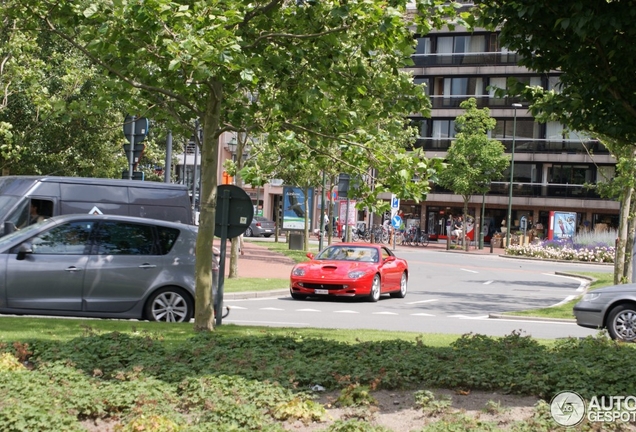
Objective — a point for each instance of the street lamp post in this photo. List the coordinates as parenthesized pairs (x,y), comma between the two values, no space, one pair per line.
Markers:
(512,170)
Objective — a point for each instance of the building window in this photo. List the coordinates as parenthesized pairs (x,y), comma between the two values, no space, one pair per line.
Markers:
(570,174)
(443,129)
(423,45)
(526,129)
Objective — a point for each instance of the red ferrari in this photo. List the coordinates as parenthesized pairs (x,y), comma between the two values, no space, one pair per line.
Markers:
(349,270)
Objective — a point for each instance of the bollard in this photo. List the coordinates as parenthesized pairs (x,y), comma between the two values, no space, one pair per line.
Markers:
(491,244)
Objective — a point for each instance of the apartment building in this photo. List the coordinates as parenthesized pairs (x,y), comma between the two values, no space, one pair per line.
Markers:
(550,165)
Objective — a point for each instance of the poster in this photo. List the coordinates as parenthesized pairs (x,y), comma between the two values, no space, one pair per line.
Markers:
(353,213)
(562,225)
(294,207)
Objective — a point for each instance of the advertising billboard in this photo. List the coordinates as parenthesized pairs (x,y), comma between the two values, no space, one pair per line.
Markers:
(294,207)
(562,225)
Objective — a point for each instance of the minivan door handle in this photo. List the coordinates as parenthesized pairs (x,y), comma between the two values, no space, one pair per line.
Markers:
(73,269)
(146,265)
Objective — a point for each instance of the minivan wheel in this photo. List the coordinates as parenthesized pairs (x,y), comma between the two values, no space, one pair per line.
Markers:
(621,323)
(248,232)
(169,305)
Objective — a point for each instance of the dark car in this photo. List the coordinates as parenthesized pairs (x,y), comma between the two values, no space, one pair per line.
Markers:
(103,266)
(261,227)
(613,308)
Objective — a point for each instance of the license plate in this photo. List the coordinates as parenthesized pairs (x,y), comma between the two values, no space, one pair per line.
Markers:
(321,291)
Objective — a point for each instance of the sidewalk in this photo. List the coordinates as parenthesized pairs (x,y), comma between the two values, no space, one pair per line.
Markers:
(259,262)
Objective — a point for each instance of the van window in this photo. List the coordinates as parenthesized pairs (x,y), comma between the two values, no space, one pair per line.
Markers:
(6,203)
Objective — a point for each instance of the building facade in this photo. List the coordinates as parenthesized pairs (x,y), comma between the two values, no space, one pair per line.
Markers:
(550,165)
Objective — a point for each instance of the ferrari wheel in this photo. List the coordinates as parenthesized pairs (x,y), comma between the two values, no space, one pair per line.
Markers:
(403,283)
(374,296)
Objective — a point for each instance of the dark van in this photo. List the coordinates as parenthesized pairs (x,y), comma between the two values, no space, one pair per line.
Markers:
(26,199)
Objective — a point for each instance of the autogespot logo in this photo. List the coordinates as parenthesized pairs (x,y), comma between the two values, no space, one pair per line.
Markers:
(567,408)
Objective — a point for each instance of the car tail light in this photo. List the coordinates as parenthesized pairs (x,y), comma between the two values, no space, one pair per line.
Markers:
(258,224)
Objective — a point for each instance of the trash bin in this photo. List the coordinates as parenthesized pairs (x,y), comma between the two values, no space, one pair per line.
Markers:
(296,241)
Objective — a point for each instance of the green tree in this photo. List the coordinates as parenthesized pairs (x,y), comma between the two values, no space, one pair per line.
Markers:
(51,121)
(591,43)
(198,60)
(473,159)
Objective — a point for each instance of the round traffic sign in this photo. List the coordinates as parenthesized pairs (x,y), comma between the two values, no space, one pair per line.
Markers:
(240,210)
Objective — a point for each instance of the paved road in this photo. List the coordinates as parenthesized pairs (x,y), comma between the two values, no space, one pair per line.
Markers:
(448,293)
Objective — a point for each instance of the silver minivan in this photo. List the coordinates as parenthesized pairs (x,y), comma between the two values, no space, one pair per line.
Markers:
(104,266)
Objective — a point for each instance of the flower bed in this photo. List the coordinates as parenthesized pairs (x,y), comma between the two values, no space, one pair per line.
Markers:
(569,252)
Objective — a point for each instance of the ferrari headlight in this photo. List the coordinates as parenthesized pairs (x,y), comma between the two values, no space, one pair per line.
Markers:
(298,271)
(356,274)
(591,296)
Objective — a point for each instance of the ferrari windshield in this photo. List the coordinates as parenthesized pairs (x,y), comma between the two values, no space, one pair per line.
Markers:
(349,253)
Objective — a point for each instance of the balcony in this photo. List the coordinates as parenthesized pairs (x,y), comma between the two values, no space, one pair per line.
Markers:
(440,102)
(534,190)
(467,59)
(523,145)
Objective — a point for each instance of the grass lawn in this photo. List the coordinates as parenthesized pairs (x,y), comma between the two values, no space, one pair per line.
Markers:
(65,329)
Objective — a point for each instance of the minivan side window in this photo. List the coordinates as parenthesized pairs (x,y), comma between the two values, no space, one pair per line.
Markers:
(68,239)
(167,238)
(122,238)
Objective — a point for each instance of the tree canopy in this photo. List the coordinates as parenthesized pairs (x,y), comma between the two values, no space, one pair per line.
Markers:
(310,68)
(590,42)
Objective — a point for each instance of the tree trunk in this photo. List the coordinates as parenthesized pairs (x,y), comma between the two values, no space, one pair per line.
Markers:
(619,261)
(203,311)
(629,241)
(234,254)
(465,226)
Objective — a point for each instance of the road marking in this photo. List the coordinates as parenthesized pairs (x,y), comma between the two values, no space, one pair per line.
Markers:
(469,271)
(238,307)
(383,313)
(421,314)
(488,282)
(423,301)
(307,310)
(272,309)
(346,311)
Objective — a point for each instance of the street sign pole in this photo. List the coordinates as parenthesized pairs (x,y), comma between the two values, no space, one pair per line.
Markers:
(131,156)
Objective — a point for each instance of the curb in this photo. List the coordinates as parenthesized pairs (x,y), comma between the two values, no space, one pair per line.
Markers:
(529,318)
(555,260)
